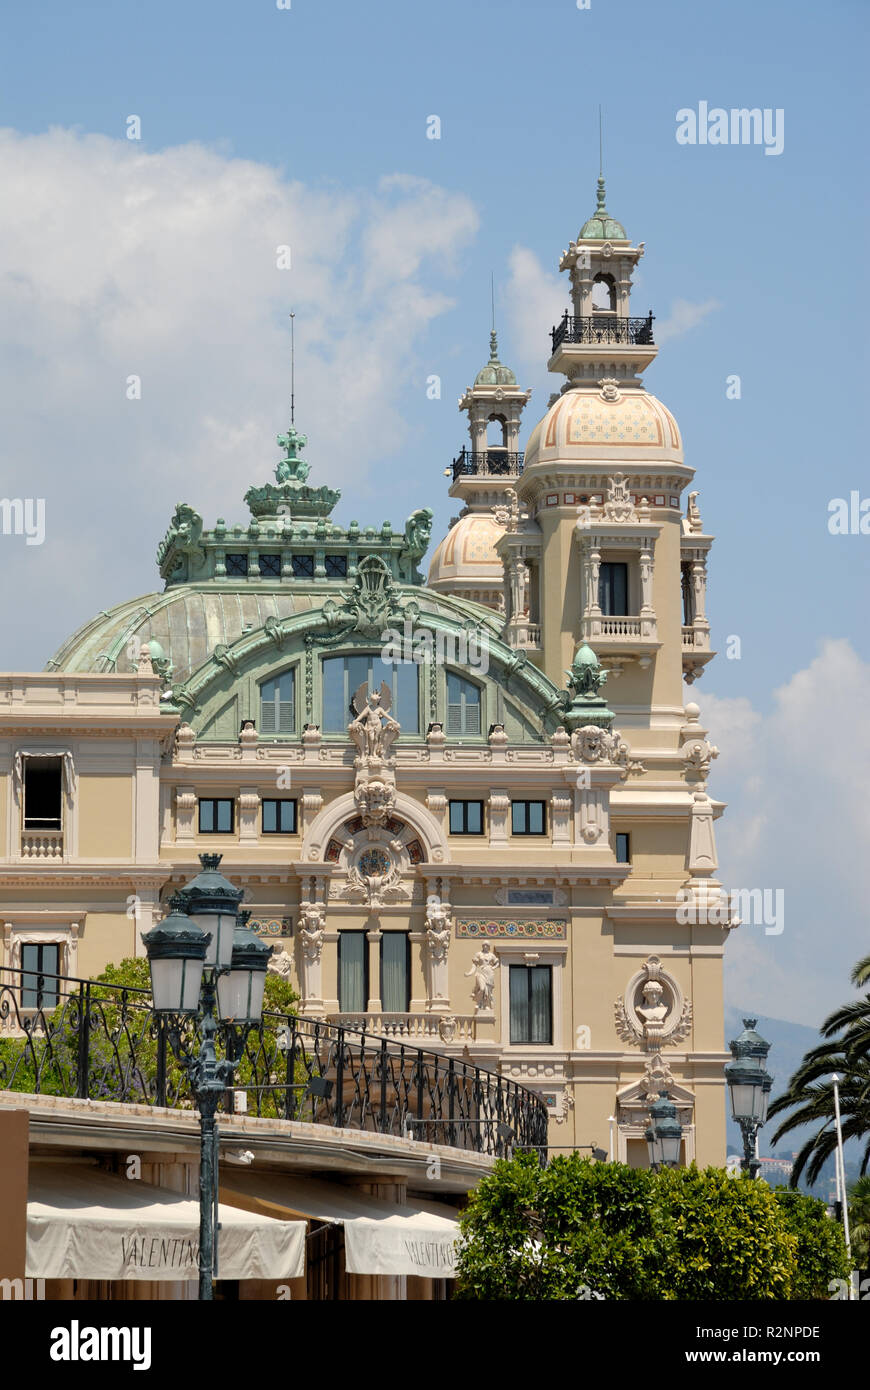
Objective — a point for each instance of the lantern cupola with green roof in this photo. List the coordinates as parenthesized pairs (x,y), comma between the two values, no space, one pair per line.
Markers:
(601,226)
(598,336)
(483,476)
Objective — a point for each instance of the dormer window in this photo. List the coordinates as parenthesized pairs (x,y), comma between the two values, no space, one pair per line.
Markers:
(278,704)
(343,676)
(463,707)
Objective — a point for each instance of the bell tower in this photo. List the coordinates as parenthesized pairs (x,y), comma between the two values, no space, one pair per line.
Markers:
(484,477)
(599,337)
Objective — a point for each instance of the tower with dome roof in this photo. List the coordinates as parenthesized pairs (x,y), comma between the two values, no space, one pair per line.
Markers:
(484,478)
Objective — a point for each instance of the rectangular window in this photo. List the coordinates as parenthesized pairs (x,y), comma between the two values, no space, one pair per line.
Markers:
(688,592)
(466,817)
(216,815)
(613,588)
(529,817)
(237,564)
(531,1004)
(303,566)
(336,566)
(353,953)
(623,848)
(39,964)
(395,972)
(270,566)
(343,675)
(43,780)
(279,817)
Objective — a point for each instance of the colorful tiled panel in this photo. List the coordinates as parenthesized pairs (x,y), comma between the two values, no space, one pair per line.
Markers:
(272,926)
(556,928)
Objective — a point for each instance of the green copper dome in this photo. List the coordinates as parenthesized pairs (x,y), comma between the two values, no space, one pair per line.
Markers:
(494,374)
(601,226)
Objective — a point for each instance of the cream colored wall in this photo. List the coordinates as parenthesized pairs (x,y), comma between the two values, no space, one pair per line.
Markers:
(108,935)
(105,811)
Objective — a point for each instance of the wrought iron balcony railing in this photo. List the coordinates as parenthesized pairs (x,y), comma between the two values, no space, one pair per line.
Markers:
(497,463)
(604,328)
(96,1041)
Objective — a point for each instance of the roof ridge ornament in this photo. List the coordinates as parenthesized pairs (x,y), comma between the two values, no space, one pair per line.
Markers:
(292,466)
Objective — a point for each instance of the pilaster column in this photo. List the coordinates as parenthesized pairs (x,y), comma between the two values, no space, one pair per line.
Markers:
(185,810)
(646,577)
(699,587)
(592,569)
(499,810)
(249,814)
(374,1005)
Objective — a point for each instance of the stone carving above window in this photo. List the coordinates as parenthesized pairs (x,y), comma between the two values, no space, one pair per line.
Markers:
(619,505)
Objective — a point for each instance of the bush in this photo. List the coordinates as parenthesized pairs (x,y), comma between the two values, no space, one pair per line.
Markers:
(579,1229)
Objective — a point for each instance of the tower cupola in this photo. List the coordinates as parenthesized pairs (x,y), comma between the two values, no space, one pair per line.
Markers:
(484,477)
(598,336)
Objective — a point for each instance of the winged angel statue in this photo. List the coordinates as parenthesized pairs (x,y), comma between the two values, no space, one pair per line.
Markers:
(373,730)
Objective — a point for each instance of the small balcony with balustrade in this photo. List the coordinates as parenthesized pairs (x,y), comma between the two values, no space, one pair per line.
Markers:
(582,337)
(697,651)
(488,463)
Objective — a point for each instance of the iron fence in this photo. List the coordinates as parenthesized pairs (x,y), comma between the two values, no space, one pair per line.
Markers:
(489,463)
(100,1041)
(604,328)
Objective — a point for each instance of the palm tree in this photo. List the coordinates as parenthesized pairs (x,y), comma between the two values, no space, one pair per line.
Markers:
(847,1052)
(859,1221)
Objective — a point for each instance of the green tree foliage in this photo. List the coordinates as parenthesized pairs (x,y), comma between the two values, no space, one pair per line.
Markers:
(821,1246)
(859,1221)
(580,1230)
(810,1093)
(123,1045)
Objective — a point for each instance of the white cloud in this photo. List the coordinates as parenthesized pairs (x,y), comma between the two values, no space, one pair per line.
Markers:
(118,262)
(683,317)
(536,300)
(798,819)
(535,303)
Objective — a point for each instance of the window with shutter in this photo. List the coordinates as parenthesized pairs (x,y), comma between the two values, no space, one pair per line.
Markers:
(463,706)
(278,704)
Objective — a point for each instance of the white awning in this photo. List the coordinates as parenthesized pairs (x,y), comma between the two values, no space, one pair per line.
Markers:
(85,1224)
(380,1237)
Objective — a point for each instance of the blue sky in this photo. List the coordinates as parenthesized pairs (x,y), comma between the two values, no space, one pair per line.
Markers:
(297,117)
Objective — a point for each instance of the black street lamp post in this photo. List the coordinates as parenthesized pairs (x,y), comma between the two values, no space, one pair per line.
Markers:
(207,964)
(749,1084)
(664,1134)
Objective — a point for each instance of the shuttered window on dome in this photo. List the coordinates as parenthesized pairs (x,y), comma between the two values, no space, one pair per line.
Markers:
(278,704)
(463,706)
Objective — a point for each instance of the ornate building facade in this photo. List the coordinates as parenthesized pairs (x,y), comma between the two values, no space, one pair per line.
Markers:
(468,812)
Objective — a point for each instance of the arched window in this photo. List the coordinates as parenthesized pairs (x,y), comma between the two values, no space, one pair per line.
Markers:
(463,706)
(343,675)
(496,432)
(603,292)
(278,704)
